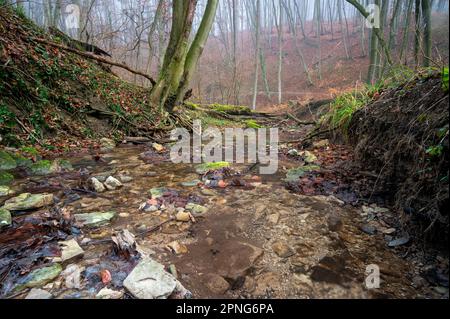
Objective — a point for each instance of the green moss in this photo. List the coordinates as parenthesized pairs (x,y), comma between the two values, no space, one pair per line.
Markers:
(42,168)
(206,167)
(39,277)
(231,109)
(294,174)
(191,106)
(6,178)
(7,161)
(252,124)
(21,161)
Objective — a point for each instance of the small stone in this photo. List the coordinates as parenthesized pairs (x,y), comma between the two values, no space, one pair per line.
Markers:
(208,192)
(196,209)
(72,276)
(321,144)
(28,201)
(418,282)
(183,217)
(70,250)
(158,192)
(293,152)
(282,249)
(5,218)
(107,293)
(389,231)
(125,178)
(217,284)
(274,218)
(308,157)
(38,294)
(97,185)
(124,215)
(369,229)
(112,183)
(177,248)
(158,147)
(399,241)
(441,290)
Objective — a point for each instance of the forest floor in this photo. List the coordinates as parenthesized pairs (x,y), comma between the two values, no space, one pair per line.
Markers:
(229,233)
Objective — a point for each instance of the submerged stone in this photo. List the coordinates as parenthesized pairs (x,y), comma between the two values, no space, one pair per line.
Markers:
(206,167)
(27,201)
(196,209)
(7,161)
(158,192)
(39,277)
(70,250)
(38,294)
(96,219)
(5,218)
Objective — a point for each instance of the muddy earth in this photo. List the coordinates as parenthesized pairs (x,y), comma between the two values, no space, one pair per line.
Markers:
(224,233)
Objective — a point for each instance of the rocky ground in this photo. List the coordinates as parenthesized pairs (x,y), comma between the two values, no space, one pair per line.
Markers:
(129,224)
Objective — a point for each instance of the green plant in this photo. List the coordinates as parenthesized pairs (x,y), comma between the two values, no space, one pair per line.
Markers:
(252,124)
(445,79)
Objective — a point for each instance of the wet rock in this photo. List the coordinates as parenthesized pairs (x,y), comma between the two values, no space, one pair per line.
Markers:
(107,293)
(112,183)
(173,270)
(193,183)
(216,284)
(399,241)
(96,219)
(39,277)
(6,178)
(72,276)
(282,249)
(369,229)
(389,231)
(38,294)
(22,161)
(27,201)
(70,250)
(267,282)
(149,280)
(158,192)
(208,192)
(96,185)
(5,191)
(183,217)
(7,162)
(196,209)
(294,152)
(125,178)
(5,218)
(44,167)
(107,144)
(294,174)
(419,282)
(334,223)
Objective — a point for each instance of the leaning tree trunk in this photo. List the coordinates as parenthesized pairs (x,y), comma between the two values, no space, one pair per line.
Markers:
(426,12)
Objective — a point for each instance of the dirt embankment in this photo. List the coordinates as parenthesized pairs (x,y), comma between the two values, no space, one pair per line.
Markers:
(403,136)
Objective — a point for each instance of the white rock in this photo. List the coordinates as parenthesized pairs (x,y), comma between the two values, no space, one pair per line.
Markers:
(97,185)
(37,294)
(107,293)
(70,250)
(112,183)
(149,280)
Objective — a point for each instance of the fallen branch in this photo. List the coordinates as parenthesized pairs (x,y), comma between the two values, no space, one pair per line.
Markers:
(96,58)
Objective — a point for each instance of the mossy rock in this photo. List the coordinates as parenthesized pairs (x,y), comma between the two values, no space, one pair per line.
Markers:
(7,162)
(22,161)
(5,190)
(44,167)
(293,175)
(158,192)
(5,218)
(206,167)
(6,178)
(39,277)
(65,165)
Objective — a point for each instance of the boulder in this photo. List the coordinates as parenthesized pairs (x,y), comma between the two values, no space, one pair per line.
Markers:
(27,201)
(6,178)
(5,191)
(44,167)
(39,277)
